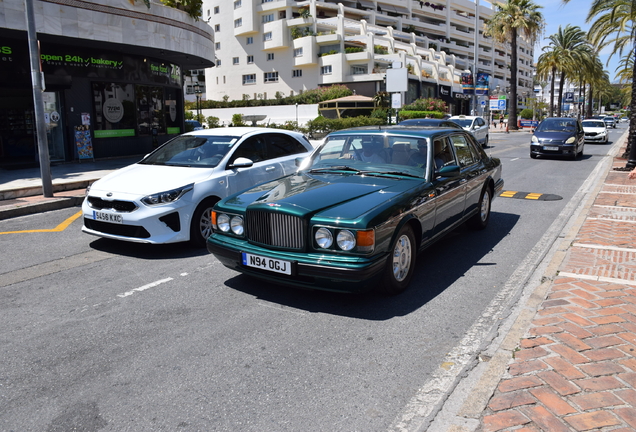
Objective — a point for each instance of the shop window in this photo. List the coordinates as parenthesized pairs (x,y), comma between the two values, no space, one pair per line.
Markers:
(150,110)
(115,109)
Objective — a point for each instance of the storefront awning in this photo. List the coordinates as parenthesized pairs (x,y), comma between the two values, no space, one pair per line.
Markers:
(366,4)
(396,9)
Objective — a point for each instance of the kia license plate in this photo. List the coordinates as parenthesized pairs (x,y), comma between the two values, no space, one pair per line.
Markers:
(108,217)
(265,263)
(550,148)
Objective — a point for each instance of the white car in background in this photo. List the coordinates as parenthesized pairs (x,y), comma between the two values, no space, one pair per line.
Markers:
(474,124)
(168,195)
(595,130)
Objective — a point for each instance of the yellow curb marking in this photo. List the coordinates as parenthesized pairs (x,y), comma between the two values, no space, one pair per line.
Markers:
(533,196)
(508,194)
(59,228)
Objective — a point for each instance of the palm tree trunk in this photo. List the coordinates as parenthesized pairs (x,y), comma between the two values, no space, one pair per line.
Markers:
(630,151)
(560,98)
(552,91)
(512,117)
(590,101)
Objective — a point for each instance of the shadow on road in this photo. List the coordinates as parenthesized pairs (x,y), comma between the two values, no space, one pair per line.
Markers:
(438,267)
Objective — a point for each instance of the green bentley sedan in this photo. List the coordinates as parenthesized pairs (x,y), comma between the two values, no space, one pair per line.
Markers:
(358,209)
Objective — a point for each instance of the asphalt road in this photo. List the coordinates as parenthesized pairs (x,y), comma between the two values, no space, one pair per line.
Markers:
(101,335)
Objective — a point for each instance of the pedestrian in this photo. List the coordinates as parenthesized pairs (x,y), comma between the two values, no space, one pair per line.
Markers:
(501,121)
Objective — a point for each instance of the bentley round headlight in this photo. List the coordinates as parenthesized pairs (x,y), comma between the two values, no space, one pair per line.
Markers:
(236,224)
(223,222)
(346,240)
(324,238)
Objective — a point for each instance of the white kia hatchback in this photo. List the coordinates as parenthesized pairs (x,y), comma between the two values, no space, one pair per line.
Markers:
(168,195)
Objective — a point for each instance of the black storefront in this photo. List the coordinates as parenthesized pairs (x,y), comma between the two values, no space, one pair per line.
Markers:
(98,102)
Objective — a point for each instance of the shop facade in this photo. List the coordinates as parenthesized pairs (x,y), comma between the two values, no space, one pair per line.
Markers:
(101,99)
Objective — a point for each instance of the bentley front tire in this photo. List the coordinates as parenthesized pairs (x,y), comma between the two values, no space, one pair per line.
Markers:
(401,262)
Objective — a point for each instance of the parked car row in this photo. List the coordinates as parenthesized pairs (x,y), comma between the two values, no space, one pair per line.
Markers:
(348,215)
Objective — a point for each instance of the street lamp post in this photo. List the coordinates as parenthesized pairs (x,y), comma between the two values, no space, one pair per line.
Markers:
(197,92)
(296,114)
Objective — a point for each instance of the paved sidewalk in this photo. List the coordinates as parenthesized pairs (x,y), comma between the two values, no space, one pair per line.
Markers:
(575,368)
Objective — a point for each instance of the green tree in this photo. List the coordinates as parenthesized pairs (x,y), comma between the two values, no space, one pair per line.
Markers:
(613,26)
(571,51)
(512,19)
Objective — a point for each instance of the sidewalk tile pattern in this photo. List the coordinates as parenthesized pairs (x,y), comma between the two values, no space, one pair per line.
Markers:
(575,368)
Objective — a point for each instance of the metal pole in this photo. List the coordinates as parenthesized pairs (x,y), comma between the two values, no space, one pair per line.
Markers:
(476,54)
(37,79)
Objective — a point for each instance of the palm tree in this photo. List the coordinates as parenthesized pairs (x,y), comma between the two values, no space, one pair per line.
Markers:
(513,19)
(614,26)
(547,66)
(572,52)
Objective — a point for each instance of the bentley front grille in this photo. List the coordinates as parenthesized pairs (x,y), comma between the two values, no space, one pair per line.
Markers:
(275,229)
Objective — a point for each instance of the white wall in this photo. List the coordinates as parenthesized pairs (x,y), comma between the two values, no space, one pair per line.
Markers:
(275,114)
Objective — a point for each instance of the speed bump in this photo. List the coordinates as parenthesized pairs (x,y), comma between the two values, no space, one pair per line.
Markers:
(530,196)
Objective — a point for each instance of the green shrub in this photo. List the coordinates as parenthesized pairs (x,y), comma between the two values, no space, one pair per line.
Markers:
(406,114)
(213,122)
(237,120)
(526,113)
(427,104)
(322,125)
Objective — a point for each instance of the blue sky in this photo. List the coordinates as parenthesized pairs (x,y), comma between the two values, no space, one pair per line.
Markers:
(575,12)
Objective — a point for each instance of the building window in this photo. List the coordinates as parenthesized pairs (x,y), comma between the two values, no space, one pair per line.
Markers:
(235,60)
(298,52)
(267,36)
(325,70)
(266,1)
(250,59)
(217,27)
(217,46)
(297,73)
(270,56)
(270,77)
(250,40)
(237,4)
(249,79)
(268,18)
(238,22)
(216,9)
(218,62)
(358,70)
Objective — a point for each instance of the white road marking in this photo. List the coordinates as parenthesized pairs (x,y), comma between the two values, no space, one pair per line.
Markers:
(145,287)
(512,160)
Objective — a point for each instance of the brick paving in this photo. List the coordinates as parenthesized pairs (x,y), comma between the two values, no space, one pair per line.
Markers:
(575,368)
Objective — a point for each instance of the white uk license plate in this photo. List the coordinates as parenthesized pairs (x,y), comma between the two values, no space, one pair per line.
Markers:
(265,263)
(552,148)
(108,217)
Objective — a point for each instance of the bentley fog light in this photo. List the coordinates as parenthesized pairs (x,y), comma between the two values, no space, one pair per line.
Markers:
(324,238)
(236,224)
(346,240)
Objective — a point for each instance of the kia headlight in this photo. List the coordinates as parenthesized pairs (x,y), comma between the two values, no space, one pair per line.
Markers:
(535,139)
(570,140)
(167,197)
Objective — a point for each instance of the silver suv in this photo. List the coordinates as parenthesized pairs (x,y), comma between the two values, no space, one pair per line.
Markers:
(474,124)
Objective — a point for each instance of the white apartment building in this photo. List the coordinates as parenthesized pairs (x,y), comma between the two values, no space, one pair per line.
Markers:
(266,48)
